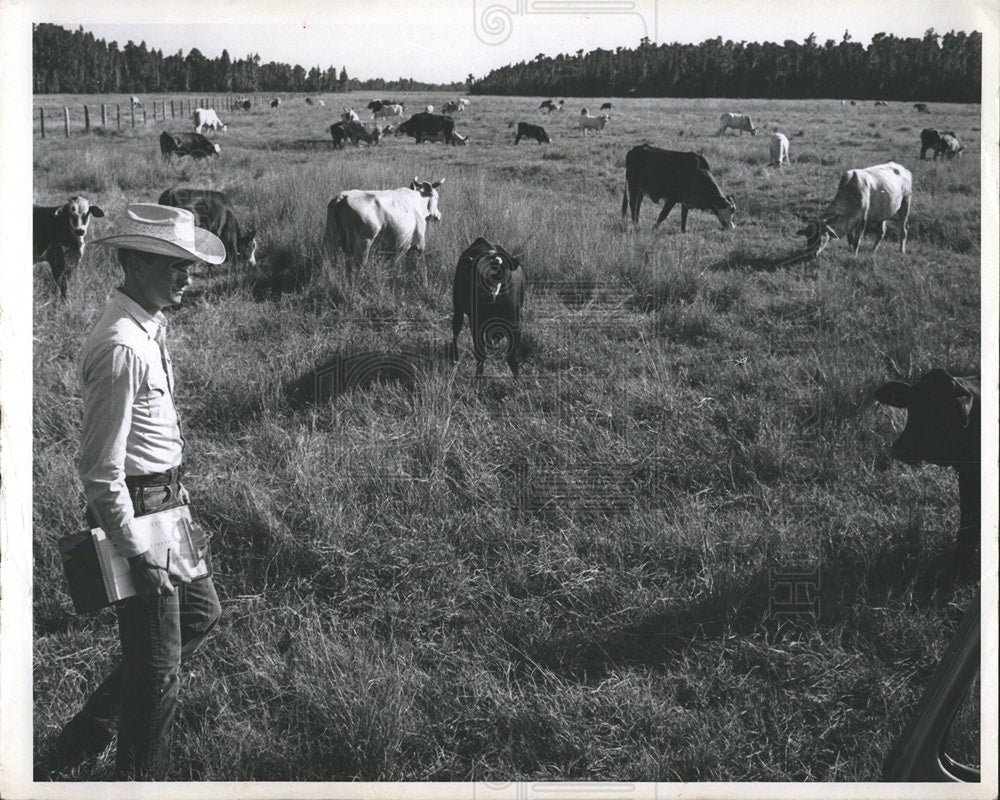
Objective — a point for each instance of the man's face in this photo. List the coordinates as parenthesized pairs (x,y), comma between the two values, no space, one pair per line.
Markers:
(161,280)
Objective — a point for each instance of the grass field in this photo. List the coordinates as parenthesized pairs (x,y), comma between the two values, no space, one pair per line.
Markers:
(580,574)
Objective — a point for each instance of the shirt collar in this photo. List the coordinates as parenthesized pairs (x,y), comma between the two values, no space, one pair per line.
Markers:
(150,323)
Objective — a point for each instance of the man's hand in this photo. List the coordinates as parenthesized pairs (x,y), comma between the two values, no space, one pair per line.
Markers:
(149,577)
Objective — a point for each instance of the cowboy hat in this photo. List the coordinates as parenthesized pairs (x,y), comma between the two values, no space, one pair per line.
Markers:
(166,231)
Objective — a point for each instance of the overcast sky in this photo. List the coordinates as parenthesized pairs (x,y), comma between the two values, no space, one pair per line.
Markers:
(445,40)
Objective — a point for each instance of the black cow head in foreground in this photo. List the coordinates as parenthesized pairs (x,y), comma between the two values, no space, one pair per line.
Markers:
(943,427)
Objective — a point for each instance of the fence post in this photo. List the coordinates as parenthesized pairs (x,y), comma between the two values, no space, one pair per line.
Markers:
(66,120)
(132,107)
(143,115)
(171,109)
(154,111)
(86,119)
(118,110)
(42,119)
(104,115)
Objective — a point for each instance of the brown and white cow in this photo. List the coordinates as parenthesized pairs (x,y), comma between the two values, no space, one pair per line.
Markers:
(740,122)
(59,236)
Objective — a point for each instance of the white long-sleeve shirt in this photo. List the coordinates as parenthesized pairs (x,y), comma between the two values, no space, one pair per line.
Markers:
(130,425)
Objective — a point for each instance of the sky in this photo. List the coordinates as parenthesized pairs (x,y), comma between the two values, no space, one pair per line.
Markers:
(442,41)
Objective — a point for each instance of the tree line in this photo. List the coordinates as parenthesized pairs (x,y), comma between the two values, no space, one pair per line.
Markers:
(74,62)
(936,68)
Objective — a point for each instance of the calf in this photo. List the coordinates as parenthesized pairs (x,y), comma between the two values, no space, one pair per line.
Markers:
(59,236)
(779,150)
(740,122)
(276,102)
(215,213)
(589,123)
(536,132)
(354,132)
(947,146)
(489,290)
(943,428)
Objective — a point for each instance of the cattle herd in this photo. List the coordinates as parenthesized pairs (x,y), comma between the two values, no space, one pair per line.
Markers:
(489,283)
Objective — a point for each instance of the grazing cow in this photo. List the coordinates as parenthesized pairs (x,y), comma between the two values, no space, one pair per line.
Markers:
(489,290)
(349,115)
(536,132)
(854,102)
(309,101)
(59,236)
(817,235)
(244,104)
(674,177)
(186,144)
(354,132)
(873,194)
(948,146)
(386,111)
(547,106)
(740,122)
(207,118)
(943,428)
(375,105)
(395,218)
(452,107)
(921,107)
(423,126)
(881,103)
(779,150)
(276,102)
(606,107)
(215,213)
(135,101)
(929,138)
(589,123)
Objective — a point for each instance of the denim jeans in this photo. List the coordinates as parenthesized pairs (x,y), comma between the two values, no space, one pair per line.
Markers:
(157,634)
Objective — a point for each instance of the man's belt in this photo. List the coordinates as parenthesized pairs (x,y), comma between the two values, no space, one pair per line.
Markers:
(172,475)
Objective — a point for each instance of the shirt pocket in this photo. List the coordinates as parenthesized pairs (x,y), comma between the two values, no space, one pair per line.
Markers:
(155,398)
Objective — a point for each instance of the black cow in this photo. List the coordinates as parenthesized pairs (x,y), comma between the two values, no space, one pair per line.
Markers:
(58,236)
(427,126)
(375,105)
(674,177)
(921,107)
(195,145)
(489,290)
(353,132)
(214,212)
(244,104)
(930,139)
(605,106)
(942,427)
(536,132)
(276,102)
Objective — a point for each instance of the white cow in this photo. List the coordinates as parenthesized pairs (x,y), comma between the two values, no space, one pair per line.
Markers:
(779,150)
(135,101)
(740,122)
(349,115)
(395,218)
(873,194)
(207,118)
(393,110)
(589,123)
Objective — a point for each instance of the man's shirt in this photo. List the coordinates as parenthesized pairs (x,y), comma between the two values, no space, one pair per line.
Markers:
(130,425)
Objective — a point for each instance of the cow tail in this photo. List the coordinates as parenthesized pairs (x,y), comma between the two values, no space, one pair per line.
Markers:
(625,199)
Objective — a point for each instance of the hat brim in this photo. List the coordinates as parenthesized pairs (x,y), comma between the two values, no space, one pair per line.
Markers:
(207,246)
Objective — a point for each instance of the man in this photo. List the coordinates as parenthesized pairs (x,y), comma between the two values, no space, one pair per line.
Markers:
(130,465)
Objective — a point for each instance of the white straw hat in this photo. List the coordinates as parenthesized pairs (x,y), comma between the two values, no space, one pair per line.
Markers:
(166,231)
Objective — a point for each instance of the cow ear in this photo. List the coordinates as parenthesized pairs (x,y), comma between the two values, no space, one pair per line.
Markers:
(894,393)
(95,211)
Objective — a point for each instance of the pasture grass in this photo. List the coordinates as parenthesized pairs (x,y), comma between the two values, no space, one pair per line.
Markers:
(568,576)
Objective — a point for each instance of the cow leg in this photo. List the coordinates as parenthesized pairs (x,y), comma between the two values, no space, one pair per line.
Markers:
(684,218)
(515,349)
(61,269)
(903,215)
(854,236)
(635,202)
(517,138)
(883,226)
(667,206)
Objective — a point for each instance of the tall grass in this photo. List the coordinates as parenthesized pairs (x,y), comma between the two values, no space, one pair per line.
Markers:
(569,575)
